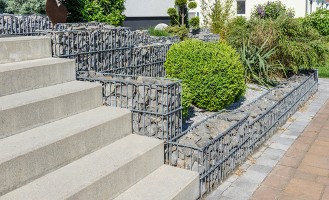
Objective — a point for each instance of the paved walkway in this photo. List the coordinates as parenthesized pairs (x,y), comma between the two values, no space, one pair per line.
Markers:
(293,164)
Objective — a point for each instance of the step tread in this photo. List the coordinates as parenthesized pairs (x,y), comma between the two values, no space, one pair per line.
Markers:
(163,184)
(39,137)
(32,63)
(76,176)
(23,38)
(32,96)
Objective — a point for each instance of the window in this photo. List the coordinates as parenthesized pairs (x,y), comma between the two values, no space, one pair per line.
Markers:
(241,7)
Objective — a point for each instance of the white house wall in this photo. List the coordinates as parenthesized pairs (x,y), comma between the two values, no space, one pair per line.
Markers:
(299,6)
(148,8)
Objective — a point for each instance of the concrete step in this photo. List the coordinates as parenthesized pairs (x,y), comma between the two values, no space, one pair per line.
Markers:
(15,49)
(32,74)
(166,183)
(28,155)
(23,111)
(103,174)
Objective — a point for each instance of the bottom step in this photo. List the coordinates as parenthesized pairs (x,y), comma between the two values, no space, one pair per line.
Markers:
(163,184)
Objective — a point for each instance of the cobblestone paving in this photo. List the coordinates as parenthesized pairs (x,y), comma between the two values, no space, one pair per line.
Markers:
(293,164)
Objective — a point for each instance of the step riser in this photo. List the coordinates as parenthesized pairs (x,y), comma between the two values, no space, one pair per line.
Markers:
(123,178)
(28,167)
(28,116)
(191,191)
(37,77)
(16,49)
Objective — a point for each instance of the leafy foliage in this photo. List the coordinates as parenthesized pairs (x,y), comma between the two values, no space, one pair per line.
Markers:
(271,10)
(25,6)
(195,22)
(110,11)
(298,45)
(180,31)
(220,15)
(320,21)
(75,9)
(212,73)
(2,6)
(154,32)
(217,15)
(179,16)
(257,68)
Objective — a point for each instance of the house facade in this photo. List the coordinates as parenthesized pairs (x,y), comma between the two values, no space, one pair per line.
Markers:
(142,14)
(245,7)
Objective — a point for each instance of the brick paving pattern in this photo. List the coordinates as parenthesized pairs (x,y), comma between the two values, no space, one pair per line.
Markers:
(303,172)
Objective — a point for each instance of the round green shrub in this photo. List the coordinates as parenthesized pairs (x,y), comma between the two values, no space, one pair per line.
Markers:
(195,22)
(212,73)
(320,21)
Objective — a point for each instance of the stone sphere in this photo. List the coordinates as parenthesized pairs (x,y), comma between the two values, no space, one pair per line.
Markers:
(160,26)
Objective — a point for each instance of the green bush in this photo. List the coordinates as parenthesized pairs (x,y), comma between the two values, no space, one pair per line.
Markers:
(195,22)
(2,6)
(110,11)
(320,21)
(75,9)
(271,10)
(154,32)
(180,31)
(25,6)
(257,67)
(298,45)
(212,73)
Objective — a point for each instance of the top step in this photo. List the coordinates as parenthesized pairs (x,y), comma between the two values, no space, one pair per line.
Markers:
(15,49)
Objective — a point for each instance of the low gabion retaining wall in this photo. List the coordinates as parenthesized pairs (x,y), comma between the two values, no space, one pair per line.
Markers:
(220,143)
(116,50)
(137,61)
(155,103)
(23,24)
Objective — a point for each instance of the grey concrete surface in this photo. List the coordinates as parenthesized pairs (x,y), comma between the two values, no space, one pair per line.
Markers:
(27,75)
(26,110)
(31,154)
(166,183)
(103,174)
(15,49)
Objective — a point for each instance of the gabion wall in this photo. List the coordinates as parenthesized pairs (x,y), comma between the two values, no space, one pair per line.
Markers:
(115,50)
(219,144)
(23,24)
(155,102)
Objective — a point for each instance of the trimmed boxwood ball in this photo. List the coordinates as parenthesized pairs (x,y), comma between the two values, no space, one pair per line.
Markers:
(212,73)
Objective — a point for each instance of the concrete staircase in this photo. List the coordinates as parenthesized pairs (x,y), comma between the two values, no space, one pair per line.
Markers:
(57,141)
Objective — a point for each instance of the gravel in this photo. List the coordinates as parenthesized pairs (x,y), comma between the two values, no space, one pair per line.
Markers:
(196,115)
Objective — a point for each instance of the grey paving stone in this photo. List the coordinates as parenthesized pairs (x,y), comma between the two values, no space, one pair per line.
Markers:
(283,140)
(236,194)
(283,147)
(260,169)
(266,161)
(273,154)
(232,178)
(219,191)
(254,176)
(296,128)
(248,186)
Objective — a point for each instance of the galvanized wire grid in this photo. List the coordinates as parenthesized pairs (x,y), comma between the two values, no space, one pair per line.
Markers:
(111,51)
(214,156)
(23,24)
(155,103)
(218,159)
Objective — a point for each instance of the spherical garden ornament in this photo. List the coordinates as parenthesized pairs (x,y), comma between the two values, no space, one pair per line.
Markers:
(56,13)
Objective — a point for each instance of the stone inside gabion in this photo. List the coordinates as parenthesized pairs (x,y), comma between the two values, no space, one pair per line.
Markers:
(202,149)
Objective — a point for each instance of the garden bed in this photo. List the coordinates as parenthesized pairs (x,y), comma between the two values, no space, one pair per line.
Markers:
(220,143)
